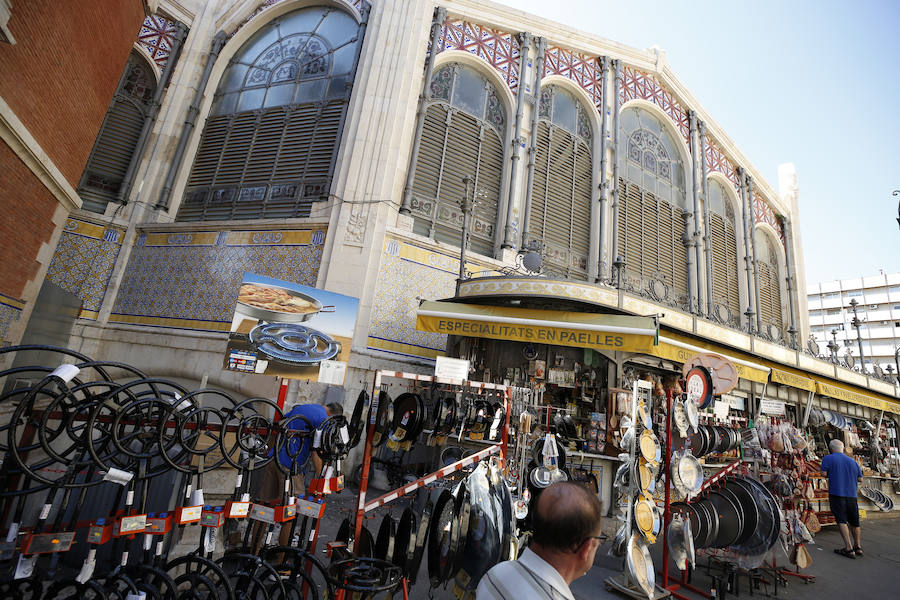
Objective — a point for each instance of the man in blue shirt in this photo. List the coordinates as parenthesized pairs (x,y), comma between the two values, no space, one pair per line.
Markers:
(843,475)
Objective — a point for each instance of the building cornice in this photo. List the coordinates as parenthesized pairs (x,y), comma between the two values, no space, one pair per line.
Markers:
(27,148)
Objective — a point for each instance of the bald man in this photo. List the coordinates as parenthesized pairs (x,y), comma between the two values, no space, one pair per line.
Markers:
(566,537)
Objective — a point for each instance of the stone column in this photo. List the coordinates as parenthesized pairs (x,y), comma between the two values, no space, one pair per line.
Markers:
(509,231)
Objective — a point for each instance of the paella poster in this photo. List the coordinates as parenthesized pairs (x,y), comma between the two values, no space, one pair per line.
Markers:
(290,330)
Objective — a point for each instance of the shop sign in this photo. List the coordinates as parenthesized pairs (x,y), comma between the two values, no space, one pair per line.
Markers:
(833,391)
(451,368)
(735,402)
(720,408)
(771,407)
(785,378)
(683,355)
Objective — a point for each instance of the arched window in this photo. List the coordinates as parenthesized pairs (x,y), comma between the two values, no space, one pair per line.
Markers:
(561,196)
(652,200)
(465,128)
(723,244)
(769,281)
(118,137)
(269,143)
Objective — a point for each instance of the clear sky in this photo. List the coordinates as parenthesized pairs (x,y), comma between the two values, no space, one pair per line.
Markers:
(813,82)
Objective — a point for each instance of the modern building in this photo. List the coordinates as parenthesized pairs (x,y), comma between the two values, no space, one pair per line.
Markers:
(878,307)
(331,143)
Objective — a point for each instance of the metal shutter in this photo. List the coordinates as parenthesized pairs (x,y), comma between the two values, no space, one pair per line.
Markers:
(769,294)
(723,246)
(455,146)
(580,240)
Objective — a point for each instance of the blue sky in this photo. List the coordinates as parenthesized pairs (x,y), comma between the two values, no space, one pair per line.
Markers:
(814,83)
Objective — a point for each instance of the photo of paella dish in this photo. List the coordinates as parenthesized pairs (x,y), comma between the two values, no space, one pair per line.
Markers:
(276,299)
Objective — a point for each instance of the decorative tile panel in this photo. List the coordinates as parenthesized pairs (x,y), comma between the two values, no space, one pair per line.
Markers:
(637,84)
(157,37)
(763,213)
(84,261)
(190,279)
(409,272)
(498,48)
(583,70)
(717,161)
(10,309)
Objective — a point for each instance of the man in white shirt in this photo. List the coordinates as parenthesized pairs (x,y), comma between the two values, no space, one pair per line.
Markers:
(566,537)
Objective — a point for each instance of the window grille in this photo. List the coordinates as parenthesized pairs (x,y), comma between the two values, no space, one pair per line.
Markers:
(652,202)
(269,143)
(118,137)
(465,129)
(561,197)
(723,246)
(769,281)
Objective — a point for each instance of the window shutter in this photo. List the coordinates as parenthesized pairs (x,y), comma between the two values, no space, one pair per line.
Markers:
(581,211)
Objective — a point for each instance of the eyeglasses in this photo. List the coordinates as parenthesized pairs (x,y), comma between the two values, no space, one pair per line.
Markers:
(601,537)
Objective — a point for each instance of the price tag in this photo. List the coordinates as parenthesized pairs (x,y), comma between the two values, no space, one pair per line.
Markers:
(721,410)
(345,435)
(87,569)
(25,567)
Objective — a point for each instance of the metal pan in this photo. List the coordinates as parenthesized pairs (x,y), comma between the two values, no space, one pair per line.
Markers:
(538,446)
(407,418)
(446,415)
(384,541)
(729,519)
(748,509)
(463,509)
(276,316)
(440,534)
(421,534)
(356,424)
(383,419)
(405,541)
(365,545)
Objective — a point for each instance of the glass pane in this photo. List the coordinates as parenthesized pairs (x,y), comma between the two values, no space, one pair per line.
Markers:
(310,91)
(337,28)
(251,99)
(257,77)
(280,95)
(233,78)
(261,40)
(270,57)
(338,87)
(649,182)
(564,110)
(293,45)
(342,59)
(633,172)
(629,120)
(286,71)
(315,59)
(678,171)
(300,21)
(225,104)
(469,92)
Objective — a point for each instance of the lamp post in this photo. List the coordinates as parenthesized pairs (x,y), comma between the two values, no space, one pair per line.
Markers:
(833,346)
(467,204)
(856,323)
(619,266)
(897,362)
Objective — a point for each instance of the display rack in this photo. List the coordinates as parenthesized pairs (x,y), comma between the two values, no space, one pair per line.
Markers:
(498,448)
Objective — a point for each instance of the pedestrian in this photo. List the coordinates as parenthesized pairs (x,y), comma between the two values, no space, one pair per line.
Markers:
(566,536)
(843,476)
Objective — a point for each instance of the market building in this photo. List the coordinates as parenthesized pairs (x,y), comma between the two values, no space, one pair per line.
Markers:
(332,144)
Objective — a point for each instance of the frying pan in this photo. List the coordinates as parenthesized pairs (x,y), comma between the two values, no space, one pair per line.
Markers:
(748,509)
(405,541)
(421,533)
(729,520)
(383,419)
(446,415)
(384,542)
(408,417)
(440,534)
(365,545)
(277,316)
(356,424)
(538,446)
(452,562)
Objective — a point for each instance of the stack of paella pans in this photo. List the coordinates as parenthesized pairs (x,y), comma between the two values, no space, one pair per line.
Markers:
(739,515)
(635,481)
(876,497)
(459,533)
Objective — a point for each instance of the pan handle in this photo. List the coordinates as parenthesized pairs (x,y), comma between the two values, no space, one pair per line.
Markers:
(324,309)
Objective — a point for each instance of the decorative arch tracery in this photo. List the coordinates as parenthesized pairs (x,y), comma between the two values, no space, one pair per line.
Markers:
(583,70)
(637,84)
(499,49)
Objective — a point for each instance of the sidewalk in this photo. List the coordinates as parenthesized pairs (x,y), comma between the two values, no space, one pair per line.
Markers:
(873,576)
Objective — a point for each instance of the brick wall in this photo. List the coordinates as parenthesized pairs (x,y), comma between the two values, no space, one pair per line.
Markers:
(27,207)
(63,70)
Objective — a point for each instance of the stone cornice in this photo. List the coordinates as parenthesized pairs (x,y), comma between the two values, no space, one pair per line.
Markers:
(17,137)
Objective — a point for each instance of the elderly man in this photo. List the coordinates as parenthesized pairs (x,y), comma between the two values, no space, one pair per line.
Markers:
(843,474)
(566,537)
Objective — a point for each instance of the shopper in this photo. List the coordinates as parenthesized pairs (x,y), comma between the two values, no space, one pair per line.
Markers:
(566,537)
(843,475)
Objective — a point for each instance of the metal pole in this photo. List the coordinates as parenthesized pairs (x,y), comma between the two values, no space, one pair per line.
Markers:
(693,250)
(806,412)
(532,150)
(856,323)
(165,196)
(745,218)
(604,180)
(509,237)
(440,14)
(181,32)
(789,280)
(755,259)
(707,239)
(615,178)
(463,242)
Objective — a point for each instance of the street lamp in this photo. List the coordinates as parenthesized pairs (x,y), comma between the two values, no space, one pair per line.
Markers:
(619,266)
(468,202)
(856,324)
(833,346)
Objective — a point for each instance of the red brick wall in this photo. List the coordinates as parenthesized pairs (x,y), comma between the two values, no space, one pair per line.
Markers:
(27,207)
(61,73)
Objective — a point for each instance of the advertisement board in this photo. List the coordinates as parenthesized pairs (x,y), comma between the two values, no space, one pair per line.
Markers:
(290,330)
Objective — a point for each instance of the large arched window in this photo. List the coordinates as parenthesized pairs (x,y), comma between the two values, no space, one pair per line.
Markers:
(270,140)
(723,244)
(465,128)
(769,282)
(118,136)
(561,196)
(651,201)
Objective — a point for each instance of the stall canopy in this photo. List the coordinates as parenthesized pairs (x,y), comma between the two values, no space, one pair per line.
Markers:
(678,348)
(581,330)
(842,393)
(793,380)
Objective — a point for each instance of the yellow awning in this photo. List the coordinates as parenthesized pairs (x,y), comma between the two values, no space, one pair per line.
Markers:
(842,393)
(673,347)
(785,378)
(581,330)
